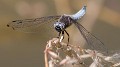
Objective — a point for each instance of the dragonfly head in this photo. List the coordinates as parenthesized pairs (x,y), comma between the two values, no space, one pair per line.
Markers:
(59,26)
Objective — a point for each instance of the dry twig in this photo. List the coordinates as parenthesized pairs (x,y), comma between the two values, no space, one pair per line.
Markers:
(58,54)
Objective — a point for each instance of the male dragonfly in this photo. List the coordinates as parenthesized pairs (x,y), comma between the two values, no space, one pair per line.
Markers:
(61,22)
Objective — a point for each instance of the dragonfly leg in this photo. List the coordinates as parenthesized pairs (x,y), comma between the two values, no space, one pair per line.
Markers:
(63,34)
(62,37)
(68,37)
(59,35)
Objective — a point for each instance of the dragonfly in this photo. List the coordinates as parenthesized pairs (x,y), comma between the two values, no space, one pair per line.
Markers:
(61,22)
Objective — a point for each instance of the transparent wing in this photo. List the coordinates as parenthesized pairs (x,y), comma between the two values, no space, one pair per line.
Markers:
(92,41)
(32,24)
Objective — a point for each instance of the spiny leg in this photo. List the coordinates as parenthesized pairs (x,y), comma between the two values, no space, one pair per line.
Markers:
(68,36)
(63,34)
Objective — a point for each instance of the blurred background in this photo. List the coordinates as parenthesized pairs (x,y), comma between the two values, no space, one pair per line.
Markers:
(19,49)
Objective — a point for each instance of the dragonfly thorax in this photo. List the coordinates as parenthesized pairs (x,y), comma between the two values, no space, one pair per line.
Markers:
(59,26)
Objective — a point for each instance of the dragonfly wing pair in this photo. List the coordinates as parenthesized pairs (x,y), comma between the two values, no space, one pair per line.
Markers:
(32,25)
(93,42)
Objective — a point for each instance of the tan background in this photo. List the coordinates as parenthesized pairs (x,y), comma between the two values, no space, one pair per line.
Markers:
(18,49)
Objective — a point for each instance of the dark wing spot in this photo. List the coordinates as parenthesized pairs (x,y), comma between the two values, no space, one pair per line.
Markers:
(20,22)
(13,21)
(7,25)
